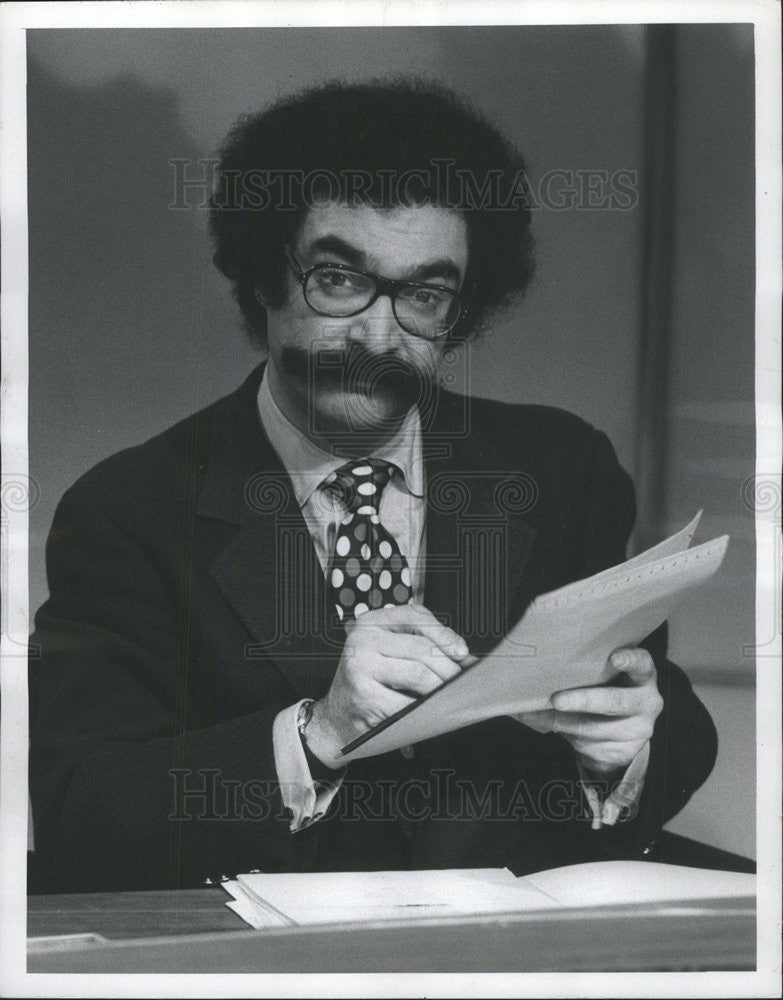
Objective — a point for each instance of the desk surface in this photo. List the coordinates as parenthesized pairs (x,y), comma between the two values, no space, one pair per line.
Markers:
(123,915)
(193,931)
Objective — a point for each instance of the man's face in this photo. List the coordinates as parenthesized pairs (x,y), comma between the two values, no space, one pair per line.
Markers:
(362,373)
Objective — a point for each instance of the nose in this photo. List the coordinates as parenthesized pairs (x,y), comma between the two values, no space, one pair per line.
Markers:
(378,328)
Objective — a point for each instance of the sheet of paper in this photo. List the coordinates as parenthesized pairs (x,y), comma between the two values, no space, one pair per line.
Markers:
(563,641)
(348,897)
(607,883)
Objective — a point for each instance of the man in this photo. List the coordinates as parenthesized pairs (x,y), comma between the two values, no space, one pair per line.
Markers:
(234,601)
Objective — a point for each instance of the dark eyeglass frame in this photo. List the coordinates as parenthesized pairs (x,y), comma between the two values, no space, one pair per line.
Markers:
(383,286)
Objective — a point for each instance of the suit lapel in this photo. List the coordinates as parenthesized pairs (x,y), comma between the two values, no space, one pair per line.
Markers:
(267,568)
(479,540)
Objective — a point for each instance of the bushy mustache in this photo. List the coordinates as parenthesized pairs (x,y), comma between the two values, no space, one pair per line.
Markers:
(354,369)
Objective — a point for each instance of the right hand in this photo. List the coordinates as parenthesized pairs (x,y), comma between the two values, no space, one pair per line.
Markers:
(390,657)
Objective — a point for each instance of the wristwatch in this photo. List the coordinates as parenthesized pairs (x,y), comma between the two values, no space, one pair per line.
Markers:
(318,770)
(303,717)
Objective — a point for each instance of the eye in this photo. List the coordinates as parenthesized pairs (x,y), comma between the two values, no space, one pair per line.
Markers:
(425,298)
(337,279)
(333,280)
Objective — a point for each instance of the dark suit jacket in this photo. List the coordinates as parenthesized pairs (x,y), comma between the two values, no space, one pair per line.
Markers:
(188,608)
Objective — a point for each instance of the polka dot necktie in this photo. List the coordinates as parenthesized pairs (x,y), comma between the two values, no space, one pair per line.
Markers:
(367,571)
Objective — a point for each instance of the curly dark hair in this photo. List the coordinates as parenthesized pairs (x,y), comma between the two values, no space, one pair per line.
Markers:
(382,143)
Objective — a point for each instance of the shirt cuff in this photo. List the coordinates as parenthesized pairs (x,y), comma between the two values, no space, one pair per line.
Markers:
(307,800)
(625,795)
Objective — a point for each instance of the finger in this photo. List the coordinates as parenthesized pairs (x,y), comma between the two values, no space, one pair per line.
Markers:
(606,700)
(407,646)
(418,620)
(410,676)
(381,642)
(422,621)
(421,650)
(378,656)
(636,664)
(599,729)
(432,657)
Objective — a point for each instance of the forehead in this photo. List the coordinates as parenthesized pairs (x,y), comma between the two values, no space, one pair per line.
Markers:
(397,239)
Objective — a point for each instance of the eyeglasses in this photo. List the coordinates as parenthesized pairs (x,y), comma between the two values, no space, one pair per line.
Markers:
(428,311)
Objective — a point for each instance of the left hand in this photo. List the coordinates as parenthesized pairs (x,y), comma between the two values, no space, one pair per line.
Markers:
(607,725)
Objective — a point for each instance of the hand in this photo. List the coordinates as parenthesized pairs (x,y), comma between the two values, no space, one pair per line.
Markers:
(607,725)
(390,657)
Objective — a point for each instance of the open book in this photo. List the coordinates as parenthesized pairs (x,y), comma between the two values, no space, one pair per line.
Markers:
(563,641)
(294,898)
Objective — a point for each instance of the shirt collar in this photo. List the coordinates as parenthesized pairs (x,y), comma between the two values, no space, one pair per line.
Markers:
(308,465)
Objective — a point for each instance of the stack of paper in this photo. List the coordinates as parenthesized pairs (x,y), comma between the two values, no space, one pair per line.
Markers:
(337,897)
(294,898)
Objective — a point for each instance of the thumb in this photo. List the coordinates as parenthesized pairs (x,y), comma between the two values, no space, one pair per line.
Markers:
(636,664)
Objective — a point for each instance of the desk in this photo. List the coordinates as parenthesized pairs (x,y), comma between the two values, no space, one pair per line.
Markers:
(193,931)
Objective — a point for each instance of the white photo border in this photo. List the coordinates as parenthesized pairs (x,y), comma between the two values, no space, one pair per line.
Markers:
(15,20)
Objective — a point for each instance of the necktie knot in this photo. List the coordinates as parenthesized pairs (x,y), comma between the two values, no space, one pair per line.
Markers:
(360,483)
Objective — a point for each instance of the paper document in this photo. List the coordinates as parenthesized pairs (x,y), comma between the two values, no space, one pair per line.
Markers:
(616,883)
(297,899)
(563,641)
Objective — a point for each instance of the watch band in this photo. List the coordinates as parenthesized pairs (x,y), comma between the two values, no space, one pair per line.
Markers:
(318,770)
(304,715)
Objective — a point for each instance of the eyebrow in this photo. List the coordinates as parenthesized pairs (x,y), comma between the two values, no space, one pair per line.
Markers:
(443,267)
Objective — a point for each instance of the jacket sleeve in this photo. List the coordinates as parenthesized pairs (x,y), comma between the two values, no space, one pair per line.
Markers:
(133,784)
(684,742)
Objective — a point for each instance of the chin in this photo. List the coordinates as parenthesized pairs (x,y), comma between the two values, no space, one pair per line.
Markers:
(359,412)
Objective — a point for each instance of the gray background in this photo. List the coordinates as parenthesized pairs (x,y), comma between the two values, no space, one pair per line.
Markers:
(131,328)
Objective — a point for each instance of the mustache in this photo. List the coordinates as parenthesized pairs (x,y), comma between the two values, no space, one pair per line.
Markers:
(354,369)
